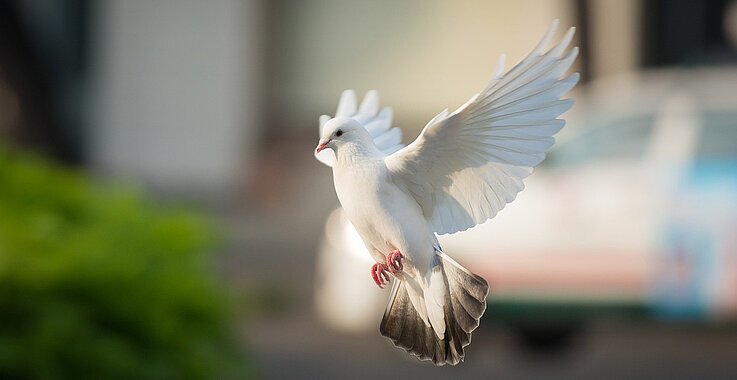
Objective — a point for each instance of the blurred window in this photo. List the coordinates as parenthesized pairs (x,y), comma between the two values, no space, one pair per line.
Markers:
(719,137)
(621,139)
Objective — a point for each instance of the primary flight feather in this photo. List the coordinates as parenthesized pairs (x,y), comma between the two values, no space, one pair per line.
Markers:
(461,170)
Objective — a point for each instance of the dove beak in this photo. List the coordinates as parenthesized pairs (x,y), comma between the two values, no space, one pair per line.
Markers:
(322,145)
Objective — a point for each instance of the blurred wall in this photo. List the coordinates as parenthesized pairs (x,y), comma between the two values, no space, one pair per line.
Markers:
(175,97)
(422,56)
(615,33)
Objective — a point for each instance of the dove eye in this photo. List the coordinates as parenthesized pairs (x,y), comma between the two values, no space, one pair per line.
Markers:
(339,133)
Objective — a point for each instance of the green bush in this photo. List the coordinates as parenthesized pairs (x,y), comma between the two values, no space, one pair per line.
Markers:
(97,282)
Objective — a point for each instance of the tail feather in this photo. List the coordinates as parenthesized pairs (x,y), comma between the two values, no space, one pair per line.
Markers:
(468,294)
(404,325)
(407,327)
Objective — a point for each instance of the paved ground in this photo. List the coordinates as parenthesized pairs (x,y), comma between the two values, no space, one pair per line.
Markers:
(297,347)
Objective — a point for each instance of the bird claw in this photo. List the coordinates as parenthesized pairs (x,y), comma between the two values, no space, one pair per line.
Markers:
(393,265)
(394,262)
(378,273)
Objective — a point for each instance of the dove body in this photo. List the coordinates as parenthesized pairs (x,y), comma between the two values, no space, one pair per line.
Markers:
(462,169)
(385,217)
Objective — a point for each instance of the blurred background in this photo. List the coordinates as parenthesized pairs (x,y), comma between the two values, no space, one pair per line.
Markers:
(162,216)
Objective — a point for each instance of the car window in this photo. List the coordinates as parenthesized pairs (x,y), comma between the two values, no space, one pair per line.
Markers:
(719,136)
(621,139)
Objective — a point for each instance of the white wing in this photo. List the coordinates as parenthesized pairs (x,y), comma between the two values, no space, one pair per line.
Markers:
(466,166)
(379,125)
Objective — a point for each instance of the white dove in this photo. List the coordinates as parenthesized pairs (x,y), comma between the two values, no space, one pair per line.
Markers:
(460,171)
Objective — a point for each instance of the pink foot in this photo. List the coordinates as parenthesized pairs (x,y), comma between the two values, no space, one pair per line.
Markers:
(378,273)
(394,261)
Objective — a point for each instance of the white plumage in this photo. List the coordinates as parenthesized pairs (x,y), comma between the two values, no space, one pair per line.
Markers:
(379,126)
(461,170)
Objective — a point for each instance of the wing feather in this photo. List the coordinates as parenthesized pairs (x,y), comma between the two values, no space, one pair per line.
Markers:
(467,165)
(346,104)
(380,123)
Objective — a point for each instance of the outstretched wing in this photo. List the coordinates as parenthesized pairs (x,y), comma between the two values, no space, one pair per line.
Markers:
(467,165)
(378,124)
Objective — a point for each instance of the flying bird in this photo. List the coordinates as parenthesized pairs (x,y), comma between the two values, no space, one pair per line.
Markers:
(463,168)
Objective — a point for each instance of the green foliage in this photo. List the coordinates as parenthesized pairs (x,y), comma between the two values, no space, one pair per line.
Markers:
(97,282)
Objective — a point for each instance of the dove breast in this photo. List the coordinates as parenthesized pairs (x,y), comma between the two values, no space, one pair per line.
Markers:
(385,217)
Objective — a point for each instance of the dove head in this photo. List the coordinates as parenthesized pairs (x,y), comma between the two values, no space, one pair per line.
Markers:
(343,131)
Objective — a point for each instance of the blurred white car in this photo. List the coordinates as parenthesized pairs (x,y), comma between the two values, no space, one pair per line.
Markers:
(633,211)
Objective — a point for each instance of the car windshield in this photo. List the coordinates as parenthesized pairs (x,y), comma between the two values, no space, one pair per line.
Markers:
(719,137)
(620,139)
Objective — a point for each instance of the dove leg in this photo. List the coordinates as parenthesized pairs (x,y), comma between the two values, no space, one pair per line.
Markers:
(394,261)
(378,273)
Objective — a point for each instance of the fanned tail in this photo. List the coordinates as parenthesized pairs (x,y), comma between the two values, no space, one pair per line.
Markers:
(464,306)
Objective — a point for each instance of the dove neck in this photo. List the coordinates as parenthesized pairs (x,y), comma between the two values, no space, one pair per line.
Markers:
(352,152)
